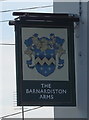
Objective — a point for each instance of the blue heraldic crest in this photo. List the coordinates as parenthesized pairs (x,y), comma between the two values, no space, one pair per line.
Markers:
(44,53)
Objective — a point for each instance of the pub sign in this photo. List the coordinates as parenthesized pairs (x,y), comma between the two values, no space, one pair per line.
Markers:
(45,63)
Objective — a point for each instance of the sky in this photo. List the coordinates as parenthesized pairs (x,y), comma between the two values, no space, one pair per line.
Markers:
(7,61)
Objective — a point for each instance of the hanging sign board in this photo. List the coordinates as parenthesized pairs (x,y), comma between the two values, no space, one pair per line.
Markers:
(45,64)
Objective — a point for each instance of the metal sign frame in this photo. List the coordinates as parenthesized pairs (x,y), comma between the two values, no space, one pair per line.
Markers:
(34,20)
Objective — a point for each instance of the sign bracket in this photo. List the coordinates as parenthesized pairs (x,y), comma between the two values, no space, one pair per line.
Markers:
(25,16)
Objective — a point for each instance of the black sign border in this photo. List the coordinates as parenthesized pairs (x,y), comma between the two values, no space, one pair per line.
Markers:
(19,71)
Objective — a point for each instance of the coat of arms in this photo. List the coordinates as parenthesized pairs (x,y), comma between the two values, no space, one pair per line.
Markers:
(44,53)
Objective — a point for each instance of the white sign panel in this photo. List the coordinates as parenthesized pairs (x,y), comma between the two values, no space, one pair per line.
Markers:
(45,54)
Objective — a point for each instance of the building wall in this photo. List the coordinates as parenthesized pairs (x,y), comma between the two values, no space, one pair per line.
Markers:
(80,111)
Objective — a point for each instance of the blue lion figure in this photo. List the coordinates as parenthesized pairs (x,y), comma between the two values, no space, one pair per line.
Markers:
(56,43)
(31,44)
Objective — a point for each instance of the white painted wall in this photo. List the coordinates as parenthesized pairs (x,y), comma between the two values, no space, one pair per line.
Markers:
(80,111)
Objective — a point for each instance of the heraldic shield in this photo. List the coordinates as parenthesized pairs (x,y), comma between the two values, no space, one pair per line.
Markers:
(44,53)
